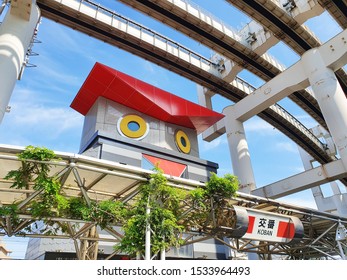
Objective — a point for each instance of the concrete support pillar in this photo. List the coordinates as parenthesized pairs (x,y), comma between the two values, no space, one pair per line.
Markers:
(239,152)
(240,156)
(204,98)
(337,203)
(316,191)
(148,234)
(16,33)
(331,98)
(163,255)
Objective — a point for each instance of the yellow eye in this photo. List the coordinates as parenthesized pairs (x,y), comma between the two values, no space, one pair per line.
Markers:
(182,142)
(133,126)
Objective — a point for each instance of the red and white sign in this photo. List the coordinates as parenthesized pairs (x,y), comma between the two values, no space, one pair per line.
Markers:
(272,227)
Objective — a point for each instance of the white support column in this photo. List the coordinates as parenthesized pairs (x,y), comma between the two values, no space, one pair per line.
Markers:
(148,234)
(162,255)
(331,98)
(341,236)
(336,203)
(239,152)
(204,97)
(16,33)
(307,162)
(240,156)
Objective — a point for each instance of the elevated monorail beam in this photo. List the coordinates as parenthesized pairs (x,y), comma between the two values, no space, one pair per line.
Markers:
(282,25)
(124,38)
(285,27)
(224,42)
(337,9)
(2,5)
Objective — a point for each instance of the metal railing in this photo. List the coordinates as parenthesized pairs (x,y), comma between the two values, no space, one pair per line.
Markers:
(225,28)
(157,38)
(114,19)
(232,32)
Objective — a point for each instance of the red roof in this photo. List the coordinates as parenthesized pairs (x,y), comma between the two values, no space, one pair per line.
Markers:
(145,98)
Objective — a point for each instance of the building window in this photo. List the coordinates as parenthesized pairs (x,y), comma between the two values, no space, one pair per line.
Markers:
(133,126)
(182,141)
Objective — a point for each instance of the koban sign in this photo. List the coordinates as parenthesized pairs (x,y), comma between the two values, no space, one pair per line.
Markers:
(268,226)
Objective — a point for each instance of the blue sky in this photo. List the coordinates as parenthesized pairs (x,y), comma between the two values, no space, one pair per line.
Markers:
(41,113)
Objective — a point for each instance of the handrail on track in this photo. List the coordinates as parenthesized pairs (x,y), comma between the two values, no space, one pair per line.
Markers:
(142,28)
(277,108)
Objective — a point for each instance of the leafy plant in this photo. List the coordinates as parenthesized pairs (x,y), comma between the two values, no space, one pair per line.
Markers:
(210,202)
(172,210)
(164,203)
(34,168)
(10,211)
(224,187)
(107,213)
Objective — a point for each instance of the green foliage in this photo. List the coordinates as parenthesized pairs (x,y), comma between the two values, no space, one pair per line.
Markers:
(134,235)
(210,201)
(198,197)
(164,203)
(51,202)
(39,154)
(10,211)
(78,209)
(172,210)
(217,189)
(21,178)
(165,229)
(34,168)
(107,213)
(225,187)
(103,213)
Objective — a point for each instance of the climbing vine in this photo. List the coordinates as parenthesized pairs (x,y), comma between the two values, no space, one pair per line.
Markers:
(209,202)
(34,173)
(172,210)
(164,204)
(49,200)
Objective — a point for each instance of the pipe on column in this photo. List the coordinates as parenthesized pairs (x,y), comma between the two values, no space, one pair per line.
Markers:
(16,34)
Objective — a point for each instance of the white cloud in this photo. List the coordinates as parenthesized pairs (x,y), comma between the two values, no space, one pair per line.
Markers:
(149,67)
(257,125)
(215,144)
(307,121)
(297,200)
(33,119)
(290,147)
(43,116)
(48,71)
(54,121)
(62,38)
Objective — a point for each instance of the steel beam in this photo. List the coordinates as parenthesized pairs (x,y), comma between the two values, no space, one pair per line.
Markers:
(320,175)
